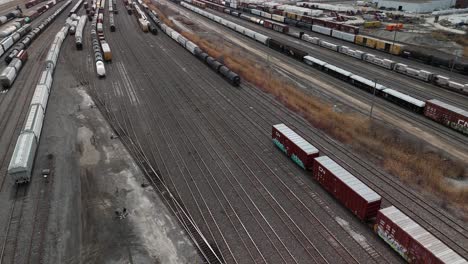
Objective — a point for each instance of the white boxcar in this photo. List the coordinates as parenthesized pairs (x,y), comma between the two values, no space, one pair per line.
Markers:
(17,63)
(46,79)
(343,35)
(310,39)
(190,46)
(34,121)
(455,85)
(7,43)
(175,35)
(328,45)
(249,33)
(323,30)
(261,38)
(425,75)
(278,18)
(41,96)
(21,163)
(442,80)
(182,40)
(8,76)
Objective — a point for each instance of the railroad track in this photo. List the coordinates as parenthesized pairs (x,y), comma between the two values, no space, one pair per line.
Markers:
(10,244)
(174,205)
(19,100)
(397,187)
(446,133)
(436,212)
(398,81)
(129,116)
(35,248)
(286,190)
(408,116)
(173,151)
(412,63)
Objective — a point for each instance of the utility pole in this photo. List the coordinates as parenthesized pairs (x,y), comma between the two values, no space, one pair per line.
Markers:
(394,36)
(457,54)
(373,99)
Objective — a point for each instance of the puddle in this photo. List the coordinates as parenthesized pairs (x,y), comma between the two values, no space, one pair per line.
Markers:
(89,154)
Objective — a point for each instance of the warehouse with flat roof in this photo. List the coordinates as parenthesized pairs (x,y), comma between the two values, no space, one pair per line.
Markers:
(416,6)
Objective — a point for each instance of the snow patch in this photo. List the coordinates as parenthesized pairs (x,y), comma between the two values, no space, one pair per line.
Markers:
(356,236)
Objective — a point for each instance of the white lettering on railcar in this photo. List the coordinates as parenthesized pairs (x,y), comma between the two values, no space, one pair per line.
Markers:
(462,122)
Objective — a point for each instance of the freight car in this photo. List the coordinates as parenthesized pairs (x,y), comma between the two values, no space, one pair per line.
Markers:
(224,71)
(411,241)
(394,96)
(21,163)
(335,29)
(346,188)
(294,146)
(435,58)
(405,236)
(447,115)
(350,191)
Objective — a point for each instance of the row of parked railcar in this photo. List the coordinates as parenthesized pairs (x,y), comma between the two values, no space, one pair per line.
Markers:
(21,164)
(18,55)
(458,120)
(9,74)
(401,68)
(410,240)
(9,16)
(36,13)
(79,32)
(142,19)
(423,75)
(112,11)
(32,3)
(425,55)
(98,56)
(9,41)
(217,66)
(434,109)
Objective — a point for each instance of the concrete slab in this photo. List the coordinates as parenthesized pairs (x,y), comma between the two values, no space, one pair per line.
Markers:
(95,177)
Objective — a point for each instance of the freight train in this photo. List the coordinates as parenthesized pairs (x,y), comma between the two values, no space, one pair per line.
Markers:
(405,236)
(339,33)
(9,16)
(232,77)
(457,119)
(327,27)
(8,76)
(21,164)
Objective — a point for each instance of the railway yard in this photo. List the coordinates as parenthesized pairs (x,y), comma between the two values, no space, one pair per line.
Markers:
(152,131)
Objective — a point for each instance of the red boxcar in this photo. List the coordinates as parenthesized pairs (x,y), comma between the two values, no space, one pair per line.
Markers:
(448,115)
(301,151)
(23,56)
(276,26)
(411,241)
(349,28)
(349,190)
(31,3)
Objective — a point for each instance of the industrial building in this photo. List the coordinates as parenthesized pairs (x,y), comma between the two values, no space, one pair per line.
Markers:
(416,6)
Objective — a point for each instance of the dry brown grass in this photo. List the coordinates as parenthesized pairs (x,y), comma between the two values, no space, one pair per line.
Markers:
(400,156)
(463,40)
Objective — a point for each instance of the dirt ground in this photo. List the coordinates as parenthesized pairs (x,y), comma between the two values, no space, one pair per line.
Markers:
(95,177)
